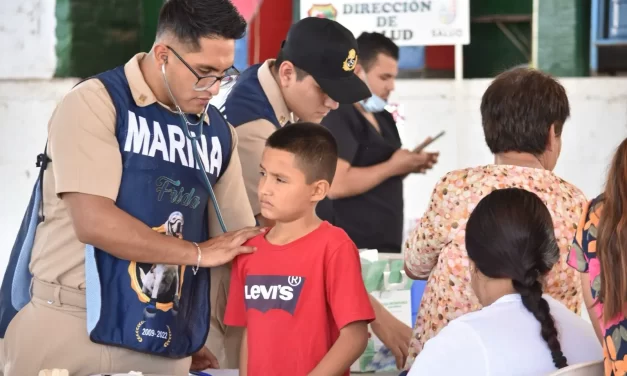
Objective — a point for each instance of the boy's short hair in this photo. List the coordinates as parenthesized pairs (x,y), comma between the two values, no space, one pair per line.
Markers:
(313,146)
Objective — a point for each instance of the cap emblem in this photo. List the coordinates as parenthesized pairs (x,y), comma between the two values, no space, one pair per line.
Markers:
(351,61)
(323,11)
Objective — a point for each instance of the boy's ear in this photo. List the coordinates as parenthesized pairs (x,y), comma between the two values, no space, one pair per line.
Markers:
(320,190)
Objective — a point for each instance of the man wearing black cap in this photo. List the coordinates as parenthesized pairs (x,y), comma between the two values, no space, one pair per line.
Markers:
(312,74)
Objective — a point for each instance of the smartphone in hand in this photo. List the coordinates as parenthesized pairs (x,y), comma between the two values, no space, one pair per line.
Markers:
(423,145)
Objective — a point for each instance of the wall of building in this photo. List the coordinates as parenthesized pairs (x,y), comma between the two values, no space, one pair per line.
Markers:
(597,125)
(25,107)
(27,39)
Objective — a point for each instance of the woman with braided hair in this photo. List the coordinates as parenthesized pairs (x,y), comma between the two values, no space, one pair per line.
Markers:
(511,245)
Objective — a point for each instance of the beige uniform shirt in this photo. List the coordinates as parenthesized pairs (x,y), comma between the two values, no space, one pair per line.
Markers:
(86,158)
(253,135)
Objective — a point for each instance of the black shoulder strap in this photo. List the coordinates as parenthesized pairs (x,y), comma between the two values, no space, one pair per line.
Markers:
(42,163)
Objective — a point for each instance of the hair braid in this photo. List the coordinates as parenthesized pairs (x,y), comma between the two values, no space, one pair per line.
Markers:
(532,299)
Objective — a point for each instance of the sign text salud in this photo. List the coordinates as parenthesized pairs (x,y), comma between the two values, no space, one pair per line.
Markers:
(407,23)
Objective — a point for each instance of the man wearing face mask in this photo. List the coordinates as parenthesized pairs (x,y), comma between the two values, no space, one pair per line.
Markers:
(366,198)
(117,278)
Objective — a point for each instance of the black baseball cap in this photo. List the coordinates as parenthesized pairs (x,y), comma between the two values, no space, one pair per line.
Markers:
(328,52)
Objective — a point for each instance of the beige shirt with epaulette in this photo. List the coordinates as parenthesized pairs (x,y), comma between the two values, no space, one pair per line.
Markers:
(86,159)
(253,135)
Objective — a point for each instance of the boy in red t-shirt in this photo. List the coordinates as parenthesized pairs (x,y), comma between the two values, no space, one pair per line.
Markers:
(300,296)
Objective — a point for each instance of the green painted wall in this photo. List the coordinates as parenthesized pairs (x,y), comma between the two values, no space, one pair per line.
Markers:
(488,7)
(148,24)
(94,36)
(564,37)
(490,52)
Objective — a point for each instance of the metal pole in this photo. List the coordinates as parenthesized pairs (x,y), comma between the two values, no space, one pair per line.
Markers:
(534,34)
(459,62)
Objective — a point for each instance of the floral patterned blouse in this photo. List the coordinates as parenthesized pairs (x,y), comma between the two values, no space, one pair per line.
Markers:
(582,256)
(436,248)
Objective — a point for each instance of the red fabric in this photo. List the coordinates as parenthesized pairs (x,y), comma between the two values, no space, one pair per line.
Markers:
(329,295)
(268,29)
(440,57)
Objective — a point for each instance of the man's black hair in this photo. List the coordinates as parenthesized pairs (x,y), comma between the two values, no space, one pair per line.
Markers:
(373,44)
(313,146)
(190,20)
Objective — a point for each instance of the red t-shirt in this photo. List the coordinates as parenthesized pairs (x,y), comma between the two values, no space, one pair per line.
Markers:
(294,299)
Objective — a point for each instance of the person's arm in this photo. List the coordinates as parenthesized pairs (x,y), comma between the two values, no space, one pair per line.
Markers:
(350,344)
(252,138)
(97,221)
(417,277)
(579,256)
(350,306)
(394,334)
(589,302)
(348,180)
(352,181)
(203,359)
(87,167)
(438,226)
(243,355)
(231,195)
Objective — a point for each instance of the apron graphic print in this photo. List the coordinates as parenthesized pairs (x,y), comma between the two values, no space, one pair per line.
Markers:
(159,285)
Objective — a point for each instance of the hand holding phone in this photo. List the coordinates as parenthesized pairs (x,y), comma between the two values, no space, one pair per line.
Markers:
(427,142)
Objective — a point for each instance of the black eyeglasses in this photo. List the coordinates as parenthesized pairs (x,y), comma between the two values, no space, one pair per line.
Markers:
(205,82)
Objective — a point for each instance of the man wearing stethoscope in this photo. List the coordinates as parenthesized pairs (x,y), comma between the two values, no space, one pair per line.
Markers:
(110,270)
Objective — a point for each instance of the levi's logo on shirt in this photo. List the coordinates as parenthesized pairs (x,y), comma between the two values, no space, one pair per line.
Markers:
(266,292)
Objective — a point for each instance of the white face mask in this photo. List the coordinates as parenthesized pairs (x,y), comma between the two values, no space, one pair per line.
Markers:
(375,103)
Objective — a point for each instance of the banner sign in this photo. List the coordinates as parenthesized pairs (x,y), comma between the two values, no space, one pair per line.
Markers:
(406,22)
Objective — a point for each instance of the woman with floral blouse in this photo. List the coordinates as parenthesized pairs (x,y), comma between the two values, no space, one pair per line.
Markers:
(523,113)
(599,252)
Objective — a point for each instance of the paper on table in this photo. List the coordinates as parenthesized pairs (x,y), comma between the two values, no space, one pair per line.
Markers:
(222,372)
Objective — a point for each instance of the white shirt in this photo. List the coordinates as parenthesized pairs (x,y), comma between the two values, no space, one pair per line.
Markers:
(504,339)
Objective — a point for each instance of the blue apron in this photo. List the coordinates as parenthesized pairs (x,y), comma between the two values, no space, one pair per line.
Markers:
(156,309)
(247,101)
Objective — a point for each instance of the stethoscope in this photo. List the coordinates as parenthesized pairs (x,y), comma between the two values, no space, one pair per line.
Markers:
(194,138)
